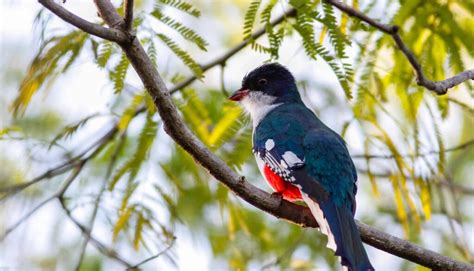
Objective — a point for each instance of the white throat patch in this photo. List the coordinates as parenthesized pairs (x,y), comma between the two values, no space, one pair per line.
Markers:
(258,105)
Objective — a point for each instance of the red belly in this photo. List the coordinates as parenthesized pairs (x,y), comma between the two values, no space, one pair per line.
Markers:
(286,189)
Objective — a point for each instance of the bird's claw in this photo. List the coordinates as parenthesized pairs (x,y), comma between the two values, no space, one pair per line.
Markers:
(278,196)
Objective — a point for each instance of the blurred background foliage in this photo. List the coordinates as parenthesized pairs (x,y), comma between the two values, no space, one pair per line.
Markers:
(142,195)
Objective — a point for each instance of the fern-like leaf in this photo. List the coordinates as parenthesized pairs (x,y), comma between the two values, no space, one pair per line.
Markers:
(70,130)
(250,17)
(132,166)
(182,6)
(45,66)
(117,75)
(183,55)
(336,37)
(183,30)
(105,51)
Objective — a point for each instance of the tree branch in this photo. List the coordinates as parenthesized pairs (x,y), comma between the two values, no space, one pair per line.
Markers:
(136,266)
(443,182)
(438,87)
(391,156)
(67,165)
(128,15)
(300,215)
(57,194)
(95,209)
(62,168)
(109,252)
(86,26)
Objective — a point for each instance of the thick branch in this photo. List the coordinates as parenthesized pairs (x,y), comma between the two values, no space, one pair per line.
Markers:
(438,87)
(86,26)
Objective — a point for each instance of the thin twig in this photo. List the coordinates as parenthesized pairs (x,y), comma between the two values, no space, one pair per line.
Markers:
(67,165)
(128,15)
(391,156)
(110,34)
(438,87)
(456,187)
(62,168)
(57,194)
(109,252)
(135,267)
(288,251)
(98,199)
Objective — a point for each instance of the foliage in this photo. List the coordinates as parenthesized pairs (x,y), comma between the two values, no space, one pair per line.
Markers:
(405,164)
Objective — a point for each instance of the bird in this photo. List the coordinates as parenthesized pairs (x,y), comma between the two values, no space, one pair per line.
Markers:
(302,159)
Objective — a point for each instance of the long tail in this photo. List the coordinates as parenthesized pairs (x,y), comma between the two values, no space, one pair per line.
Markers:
(343,237)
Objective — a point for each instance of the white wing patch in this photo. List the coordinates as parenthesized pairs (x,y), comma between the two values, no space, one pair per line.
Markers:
(323,223)
(291,159)
(269,160)
(269,144)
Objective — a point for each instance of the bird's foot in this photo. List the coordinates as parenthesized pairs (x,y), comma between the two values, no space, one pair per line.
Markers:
(278,196)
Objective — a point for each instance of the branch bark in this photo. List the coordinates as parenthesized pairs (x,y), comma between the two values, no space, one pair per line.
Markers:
(300,215)
(391,156)
(438,87)
(86,26)
(128,15)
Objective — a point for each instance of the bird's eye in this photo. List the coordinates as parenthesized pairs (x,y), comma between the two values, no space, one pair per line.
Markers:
(262,81)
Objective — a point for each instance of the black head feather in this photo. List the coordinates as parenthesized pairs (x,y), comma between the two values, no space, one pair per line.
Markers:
(272,79)
(270,72)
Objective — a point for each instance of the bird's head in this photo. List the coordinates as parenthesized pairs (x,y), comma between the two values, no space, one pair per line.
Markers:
(268,84)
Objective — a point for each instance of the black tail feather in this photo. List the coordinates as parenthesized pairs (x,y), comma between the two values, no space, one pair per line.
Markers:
(347,237)
(343,231)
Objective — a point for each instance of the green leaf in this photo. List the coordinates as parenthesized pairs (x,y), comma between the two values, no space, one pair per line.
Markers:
(71,129)
(105,51)
(123,219)
(182,6)
(183,30)
(425,196)
(145,142)
(250,17)
(141,221)
(401,213)
(183,55)
(337,38)
(373,181)
(117,75)
(130,111)
(46,66)
(226,127)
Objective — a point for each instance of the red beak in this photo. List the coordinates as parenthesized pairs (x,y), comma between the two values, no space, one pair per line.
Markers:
(239,95)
